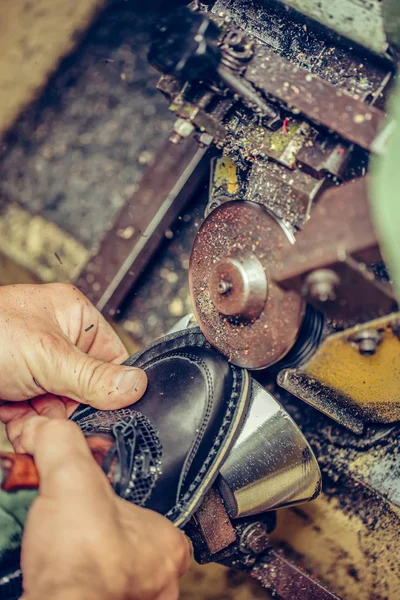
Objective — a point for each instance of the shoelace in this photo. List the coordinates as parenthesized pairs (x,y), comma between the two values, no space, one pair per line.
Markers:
(125,434)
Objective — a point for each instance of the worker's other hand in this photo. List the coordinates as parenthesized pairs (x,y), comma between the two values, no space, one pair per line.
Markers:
(57,350)
(83,542)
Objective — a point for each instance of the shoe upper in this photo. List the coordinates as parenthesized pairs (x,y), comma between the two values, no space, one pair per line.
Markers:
(169,445)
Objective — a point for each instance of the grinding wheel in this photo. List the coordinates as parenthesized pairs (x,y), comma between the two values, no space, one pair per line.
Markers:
(241,312)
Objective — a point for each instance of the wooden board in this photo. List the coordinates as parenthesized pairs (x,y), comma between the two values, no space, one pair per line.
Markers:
(34,36)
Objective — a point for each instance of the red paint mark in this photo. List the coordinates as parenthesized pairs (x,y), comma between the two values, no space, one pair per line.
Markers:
(341,150)
(284,126)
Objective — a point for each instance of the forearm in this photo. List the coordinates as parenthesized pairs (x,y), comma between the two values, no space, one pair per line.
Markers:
(68,592)
(84,580)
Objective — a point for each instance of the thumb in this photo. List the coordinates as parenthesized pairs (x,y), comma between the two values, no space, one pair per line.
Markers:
(87,380)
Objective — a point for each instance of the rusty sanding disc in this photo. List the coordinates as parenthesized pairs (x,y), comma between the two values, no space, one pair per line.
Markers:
(232,255)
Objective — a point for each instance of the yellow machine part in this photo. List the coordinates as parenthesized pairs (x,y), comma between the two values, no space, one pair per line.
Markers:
(370,382)
(224,177)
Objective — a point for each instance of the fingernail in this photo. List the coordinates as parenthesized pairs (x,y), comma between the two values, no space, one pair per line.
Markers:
(129,380)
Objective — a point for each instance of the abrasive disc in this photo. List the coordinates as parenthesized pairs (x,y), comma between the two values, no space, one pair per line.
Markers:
(241,312)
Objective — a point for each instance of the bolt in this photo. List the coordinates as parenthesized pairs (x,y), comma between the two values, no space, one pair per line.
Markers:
(183,127)
(248,560)
(224,287)
(367,341)
(321,285)
(206,139)
(175,138)
(255,538)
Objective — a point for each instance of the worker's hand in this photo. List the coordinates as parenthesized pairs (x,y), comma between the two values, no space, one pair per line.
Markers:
(83,542)
(57,349)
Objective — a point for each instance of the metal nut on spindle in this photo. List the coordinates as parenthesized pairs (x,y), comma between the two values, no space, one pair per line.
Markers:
(238,286)
(224,287)
(255,538)
(182,129)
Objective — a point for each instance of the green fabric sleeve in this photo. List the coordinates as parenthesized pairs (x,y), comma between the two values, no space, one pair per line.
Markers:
(385,195)
(14,508)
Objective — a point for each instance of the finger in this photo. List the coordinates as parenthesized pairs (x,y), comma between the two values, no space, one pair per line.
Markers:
(63,459)
(11,411)
(171,592)
(50,406)
(105,345)
(181,549)
(70,405)
(159,531)
(188,556)
(102,385)
(14,415)
(85,326)
(65,371)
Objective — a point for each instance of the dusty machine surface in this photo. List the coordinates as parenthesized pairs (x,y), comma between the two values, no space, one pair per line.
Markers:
(279,124)
(287,102)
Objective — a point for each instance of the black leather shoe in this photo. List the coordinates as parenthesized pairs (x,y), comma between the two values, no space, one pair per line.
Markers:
(169,447)
(199,418)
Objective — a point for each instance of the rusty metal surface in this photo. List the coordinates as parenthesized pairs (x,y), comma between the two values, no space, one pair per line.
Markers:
(289,195)
(362,387)
(289,582)
(214,523)
(341,219)
(315,98)
(301,155)
(339,237)
(161,295)
(292,142)
(340,456)
(287,167)
(308,45)
(243,227)
(338,407)
(246,545)
(140,226)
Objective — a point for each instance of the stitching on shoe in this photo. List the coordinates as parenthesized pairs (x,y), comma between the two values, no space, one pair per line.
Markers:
(174,513)
(193,338)
(206,418)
